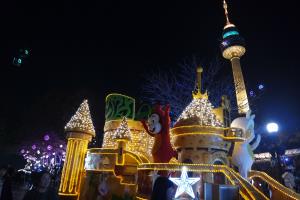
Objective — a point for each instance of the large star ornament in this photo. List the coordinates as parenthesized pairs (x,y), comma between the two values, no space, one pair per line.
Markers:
(184,184)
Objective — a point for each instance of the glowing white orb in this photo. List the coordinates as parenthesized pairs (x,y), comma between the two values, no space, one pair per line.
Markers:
(272,127)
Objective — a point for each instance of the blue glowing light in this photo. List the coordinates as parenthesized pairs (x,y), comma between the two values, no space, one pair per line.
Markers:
(224,43)
(286,159)
(261,86)
(227,34)
(252,93)
(19,60)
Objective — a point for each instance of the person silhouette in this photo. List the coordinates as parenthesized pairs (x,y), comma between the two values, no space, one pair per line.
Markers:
(163,189)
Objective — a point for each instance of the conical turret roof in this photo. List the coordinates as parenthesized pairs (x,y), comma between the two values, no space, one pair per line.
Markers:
(199,112)
(81,121)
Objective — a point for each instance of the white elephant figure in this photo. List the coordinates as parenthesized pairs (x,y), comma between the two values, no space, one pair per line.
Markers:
(242,155)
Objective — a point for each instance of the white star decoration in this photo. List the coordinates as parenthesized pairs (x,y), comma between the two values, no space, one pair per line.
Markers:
(184,184)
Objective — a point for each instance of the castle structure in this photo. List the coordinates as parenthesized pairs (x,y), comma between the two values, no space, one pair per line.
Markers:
(124,168)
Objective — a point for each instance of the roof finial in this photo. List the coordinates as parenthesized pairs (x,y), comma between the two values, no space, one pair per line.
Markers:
(197,94)
(226,12)
(199,74)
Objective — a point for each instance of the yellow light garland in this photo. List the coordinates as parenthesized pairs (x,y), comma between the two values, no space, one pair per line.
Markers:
(201,110)
(81,121)
(265,177)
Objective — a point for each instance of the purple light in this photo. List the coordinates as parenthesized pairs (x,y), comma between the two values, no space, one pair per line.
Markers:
(22,151)
(61,146)
(252,93)
(46,137)
(49,147)
(33,147)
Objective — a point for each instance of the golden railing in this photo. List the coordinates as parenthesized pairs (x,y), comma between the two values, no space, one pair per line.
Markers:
(228,134)
(278,190)
(246,190)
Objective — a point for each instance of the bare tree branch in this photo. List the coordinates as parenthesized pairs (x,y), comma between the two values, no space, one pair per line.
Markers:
(175,86)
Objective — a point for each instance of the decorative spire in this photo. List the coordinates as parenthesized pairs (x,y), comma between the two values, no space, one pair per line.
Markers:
(81,121)
(226,12)
(197,94)
(123,131)
(199,74)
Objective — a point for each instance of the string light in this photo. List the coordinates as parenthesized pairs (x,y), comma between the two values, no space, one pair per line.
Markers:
(122,131)
(199,112)
(246,189)
(140,144)
(137,150)
(81,121)
(75,154)
(80,132)
(274,184)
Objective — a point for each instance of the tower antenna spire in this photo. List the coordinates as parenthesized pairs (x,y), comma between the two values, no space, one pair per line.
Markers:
(197,94)
(226,12)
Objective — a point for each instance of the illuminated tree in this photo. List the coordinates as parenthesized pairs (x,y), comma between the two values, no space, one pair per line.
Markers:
(123,131)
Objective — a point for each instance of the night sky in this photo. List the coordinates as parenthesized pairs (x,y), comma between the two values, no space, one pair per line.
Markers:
(88,49)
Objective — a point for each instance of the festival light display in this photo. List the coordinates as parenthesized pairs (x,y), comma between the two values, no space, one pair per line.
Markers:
(46,154)
(80,130)
(81,121)
(200,109)
(123,132)
(184,184)
(123,167)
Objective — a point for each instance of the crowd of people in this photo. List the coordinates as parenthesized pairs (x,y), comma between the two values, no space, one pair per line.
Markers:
(18,185)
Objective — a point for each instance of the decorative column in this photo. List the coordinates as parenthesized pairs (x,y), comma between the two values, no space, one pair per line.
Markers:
(80,130)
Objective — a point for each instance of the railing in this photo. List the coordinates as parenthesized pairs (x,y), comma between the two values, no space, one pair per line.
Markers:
(247,191)
(229,134)
(279,191)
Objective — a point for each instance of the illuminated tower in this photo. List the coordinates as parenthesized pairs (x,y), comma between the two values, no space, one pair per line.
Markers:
(80,130)
(233,48)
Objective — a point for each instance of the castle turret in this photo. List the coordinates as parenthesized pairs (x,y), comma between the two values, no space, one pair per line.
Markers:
(122,136)
(233,48)
(80,130)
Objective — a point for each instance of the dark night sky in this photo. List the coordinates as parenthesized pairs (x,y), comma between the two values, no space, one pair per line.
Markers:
(88,49)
